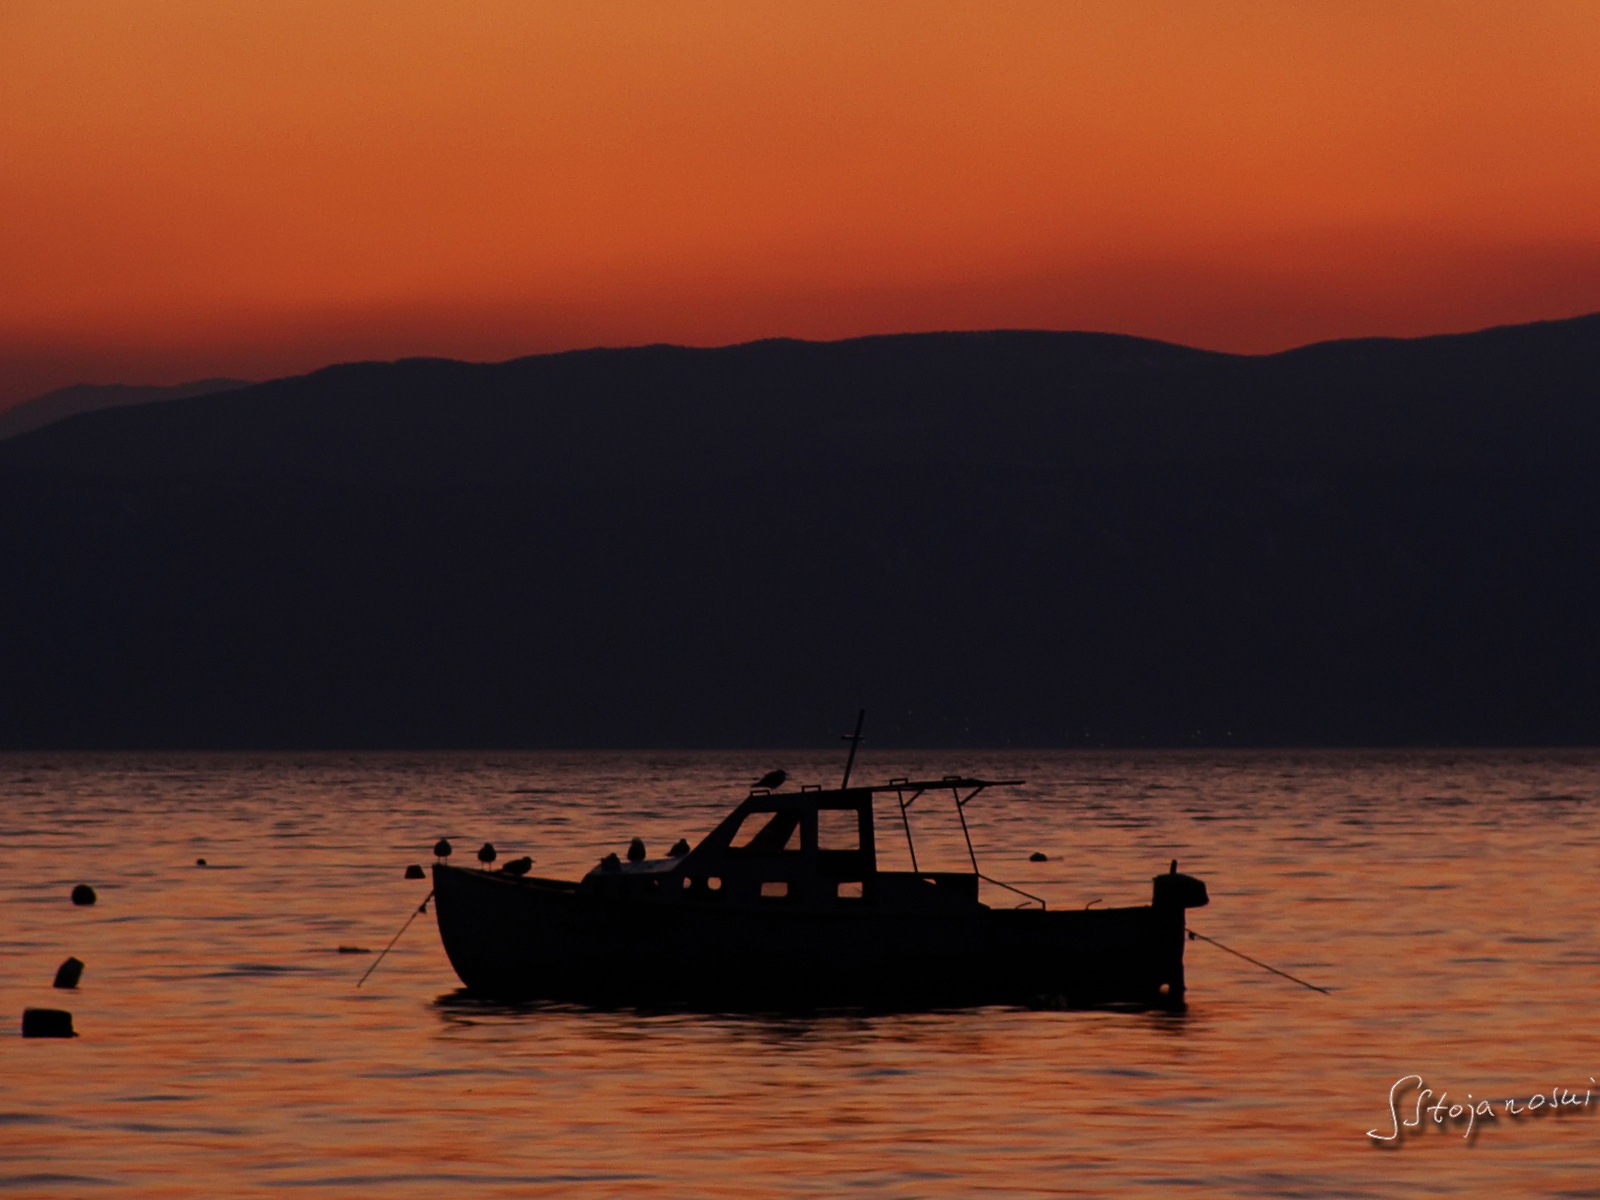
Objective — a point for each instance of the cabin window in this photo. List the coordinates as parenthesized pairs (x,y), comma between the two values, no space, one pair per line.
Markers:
(714,884)
(838,829)
(849,889)
(774,889)
(768,833)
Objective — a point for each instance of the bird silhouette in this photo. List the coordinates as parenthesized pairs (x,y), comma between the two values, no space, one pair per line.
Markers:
(441,848)
(636,850)
(772,779)
(486,853)
(517,866)
(679,848)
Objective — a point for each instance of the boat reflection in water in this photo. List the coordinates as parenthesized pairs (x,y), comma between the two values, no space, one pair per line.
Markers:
(782,905)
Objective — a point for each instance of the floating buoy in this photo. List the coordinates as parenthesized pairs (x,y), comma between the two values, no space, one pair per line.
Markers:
(414,872)
(486,853)
(636,850)
(679,848)
(441,848)
(518,866)
(83,894)
(47,1023)
(68,973)
(199,862)
(1036,856)
(354,950)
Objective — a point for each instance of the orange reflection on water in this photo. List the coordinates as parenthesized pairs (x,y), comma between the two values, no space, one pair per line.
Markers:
(225,1049)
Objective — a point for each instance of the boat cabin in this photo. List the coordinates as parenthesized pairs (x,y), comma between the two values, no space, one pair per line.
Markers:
(811,849)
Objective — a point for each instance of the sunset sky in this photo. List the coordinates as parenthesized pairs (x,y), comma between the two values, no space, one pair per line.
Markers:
(197,187)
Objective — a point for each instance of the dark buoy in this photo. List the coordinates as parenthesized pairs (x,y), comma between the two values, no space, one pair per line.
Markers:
(83,894)
(68,973)
(47,1022)
(199,862)
(636,850)
(772,779)
(414,872)
(486,853)
(679,848)
(1036,856)
(611,863)
(518,866)
(441,848)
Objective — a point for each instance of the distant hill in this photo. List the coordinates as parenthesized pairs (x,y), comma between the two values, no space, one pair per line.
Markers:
(89,397)
(984,538)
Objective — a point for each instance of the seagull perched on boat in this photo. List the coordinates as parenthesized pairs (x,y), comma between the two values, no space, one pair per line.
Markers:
(518,866)
(441,848)
(636,850)
(486,853)
(772,779)
(679,848)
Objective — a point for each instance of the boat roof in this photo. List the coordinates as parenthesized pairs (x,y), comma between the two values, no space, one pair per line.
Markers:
(903,785)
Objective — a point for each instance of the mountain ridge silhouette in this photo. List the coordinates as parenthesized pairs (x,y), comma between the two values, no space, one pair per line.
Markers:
(1006,537)
(58,405)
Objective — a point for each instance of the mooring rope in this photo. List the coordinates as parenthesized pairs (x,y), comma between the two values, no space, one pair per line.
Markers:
(421,908)
(1259,963)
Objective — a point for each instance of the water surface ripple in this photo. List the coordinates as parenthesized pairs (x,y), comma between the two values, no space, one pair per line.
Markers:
(1446,898)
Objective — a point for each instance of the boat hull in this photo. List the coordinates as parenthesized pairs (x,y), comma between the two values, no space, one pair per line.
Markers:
(530,939)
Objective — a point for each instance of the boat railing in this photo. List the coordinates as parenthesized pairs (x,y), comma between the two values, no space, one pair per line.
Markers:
(955,783)
(1031,898)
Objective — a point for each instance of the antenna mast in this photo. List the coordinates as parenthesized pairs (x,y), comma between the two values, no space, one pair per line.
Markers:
(855,740)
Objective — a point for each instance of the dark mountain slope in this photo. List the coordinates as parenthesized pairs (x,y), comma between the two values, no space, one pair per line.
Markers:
(985,538)
(89,397)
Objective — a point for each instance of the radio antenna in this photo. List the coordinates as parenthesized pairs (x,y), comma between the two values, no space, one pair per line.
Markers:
(855,740)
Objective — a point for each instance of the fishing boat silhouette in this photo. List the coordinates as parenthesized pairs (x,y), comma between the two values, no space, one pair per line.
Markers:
(783,905)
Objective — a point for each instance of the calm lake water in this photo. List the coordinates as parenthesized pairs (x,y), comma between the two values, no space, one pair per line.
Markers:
(1447,899)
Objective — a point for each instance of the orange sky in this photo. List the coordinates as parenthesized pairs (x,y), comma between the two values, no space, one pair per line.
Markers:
(196,187)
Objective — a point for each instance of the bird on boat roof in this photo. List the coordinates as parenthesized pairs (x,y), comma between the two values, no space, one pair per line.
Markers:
(517,866)
(772,779)
(486,853)
(679,848)
(441,848)
(636,850)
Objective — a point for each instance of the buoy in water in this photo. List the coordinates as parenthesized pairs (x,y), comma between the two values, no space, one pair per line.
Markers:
(414,872)
(199,862)
(1036,856)
(68,973)
(47,1023)
(83,894)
